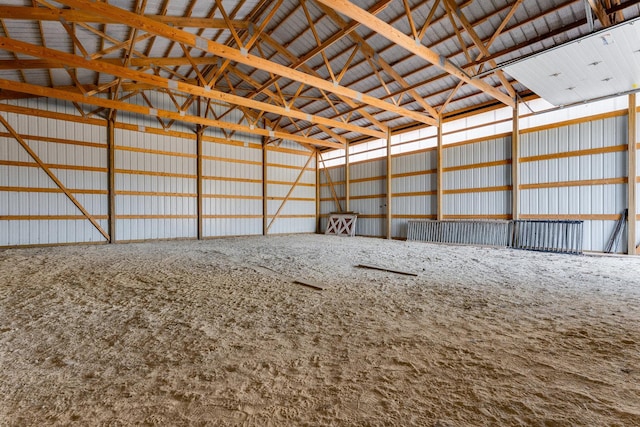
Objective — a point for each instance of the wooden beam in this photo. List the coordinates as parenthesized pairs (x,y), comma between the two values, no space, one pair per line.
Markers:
(347,179)
(265,186)
(396,36)
(367,49)
(389,186)
(293,187)
(239,55)
(515,163)
(440,174)
(631,183)
(317,191)
(451,4)
(163,83)
(200,225)
(54,178)
(77,16)
(123,106)
(599,10)
(111,182)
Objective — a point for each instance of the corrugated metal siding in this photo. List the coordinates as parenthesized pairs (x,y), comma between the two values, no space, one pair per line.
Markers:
(298,213)
(141,169)
(638,175)
(327,202)
(482,203)
(36,201)
(600,199)
(405,206)
(369,197)
(244,183)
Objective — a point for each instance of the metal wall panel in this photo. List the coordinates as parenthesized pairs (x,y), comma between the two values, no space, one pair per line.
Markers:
(484,202)
(34,210)
(598,199)
(297,215)
(146,172)
(638,175)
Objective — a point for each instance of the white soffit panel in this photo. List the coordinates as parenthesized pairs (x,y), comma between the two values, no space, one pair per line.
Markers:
(601,64)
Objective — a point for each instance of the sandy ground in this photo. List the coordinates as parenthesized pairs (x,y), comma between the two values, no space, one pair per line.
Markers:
(215,333)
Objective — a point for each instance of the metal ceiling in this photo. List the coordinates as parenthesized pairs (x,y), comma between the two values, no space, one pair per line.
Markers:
(322,71)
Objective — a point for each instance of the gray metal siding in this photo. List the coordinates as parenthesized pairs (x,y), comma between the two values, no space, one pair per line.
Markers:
(406,206)
(296,216)
(485,203)
(599,199)
(43,199)
(151,215)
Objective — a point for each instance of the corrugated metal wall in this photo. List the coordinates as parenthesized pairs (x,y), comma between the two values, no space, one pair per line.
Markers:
(155,179)
(368,196)
(587,181)
(413,186)
(477,179)
(335,183)
(285,165)
(638,177)
(232,185)
(155,184)
(33,210)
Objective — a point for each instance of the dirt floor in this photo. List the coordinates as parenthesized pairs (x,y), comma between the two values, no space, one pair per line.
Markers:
(216,333)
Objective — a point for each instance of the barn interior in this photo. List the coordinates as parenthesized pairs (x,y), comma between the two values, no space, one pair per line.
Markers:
(168,171)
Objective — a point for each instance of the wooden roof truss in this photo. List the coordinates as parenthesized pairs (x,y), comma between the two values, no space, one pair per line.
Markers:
(319,72)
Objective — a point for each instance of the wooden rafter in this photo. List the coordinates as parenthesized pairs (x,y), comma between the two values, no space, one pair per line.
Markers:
(241,57)
(123,106)
(401,39)
(160,82)
(78,16)
(368,50)
(480,45)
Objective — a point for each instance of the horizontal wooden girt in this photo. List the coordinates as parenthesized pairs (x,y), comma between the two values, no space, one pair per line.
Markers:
(239,55)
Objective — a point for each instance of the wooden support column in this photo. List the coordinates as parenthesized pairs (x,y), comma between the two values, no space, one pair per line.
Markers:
(199,133)
(632,185)
(111,181)
(515,163)
(439,174)
(317,191)
(347,179)
(389,194)
(265,213)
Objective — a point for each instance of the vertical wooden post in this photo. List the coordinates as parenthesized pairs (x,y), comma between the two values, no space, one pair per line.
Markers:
(439,174)
(632,185)
(347,179)
(317,191)
(515,163)
(199,133)
(389,194)
(111,182)
(265,213)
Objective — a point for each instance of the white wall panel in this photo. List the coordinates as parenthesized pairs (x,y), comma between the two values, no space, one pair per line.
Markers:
(35,210)
(147,177)
(563,200)
(496,203)
(296,216)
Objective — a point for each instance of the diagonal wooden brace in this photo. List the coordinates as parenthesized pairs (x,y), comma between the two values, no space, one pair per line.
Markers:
(55,179)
